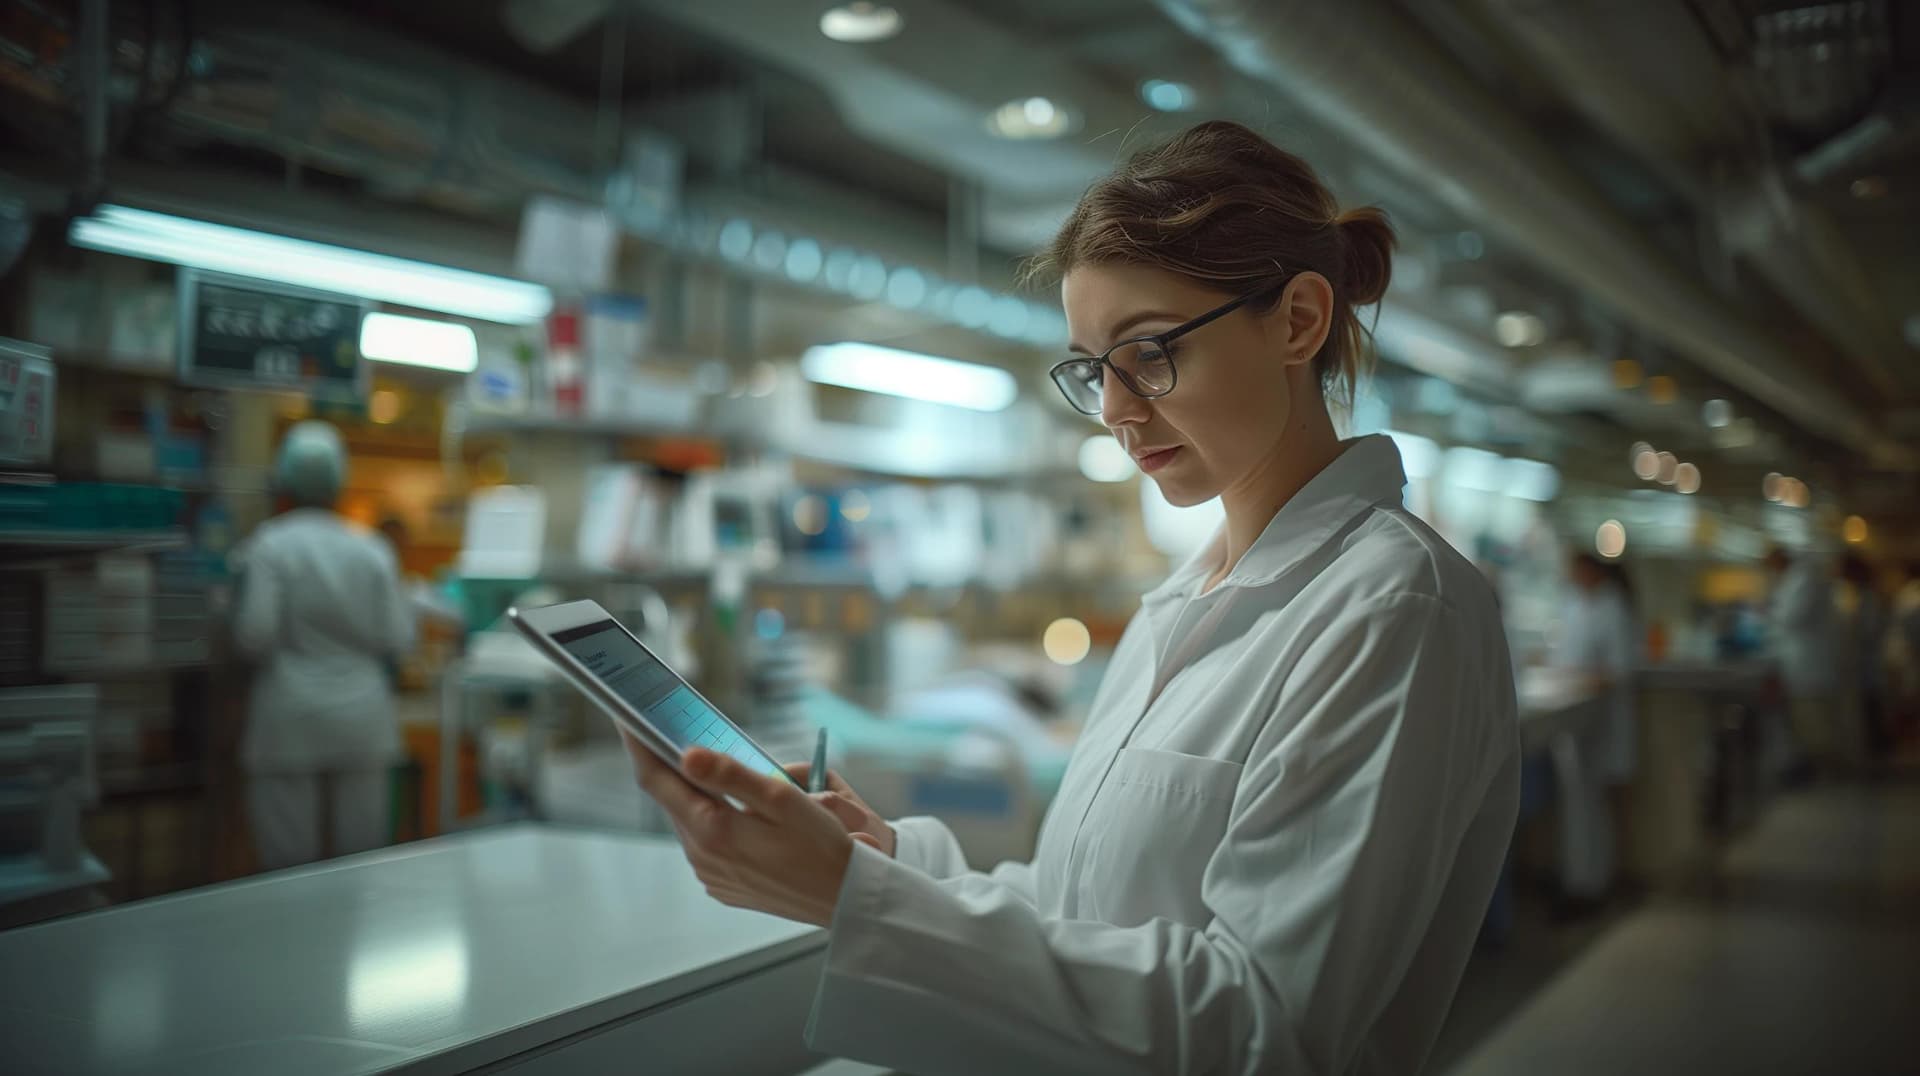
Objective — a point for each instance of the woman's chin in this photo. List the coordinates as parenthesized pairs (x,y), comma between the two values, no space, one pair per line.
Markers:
(1182,494)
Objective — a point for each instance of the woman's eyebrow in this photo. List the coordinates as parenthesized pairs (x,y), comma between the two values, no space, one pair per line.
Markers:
(1126,323)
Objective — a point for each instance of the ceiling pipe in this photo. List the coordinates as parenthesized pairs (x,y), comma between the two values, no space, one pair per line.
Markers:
(1364,70)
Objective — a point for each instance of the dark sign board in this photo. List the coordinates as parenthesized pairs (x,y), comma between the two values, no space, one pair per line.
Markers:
(238,332)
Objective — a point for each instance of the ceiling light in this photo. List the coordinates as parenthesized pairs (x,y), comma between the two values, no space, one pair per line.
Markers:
(1855,530)
(1773,486)
(1167,96)
(1717,414)
(854,506)
(810,515)
(1646,465)
(1103,460)
(1867,188)
(1516,329)
(1066,641)
(1662,389)
(1686,478)
(242,252)
(861,23)
(1530,480)
(1419,456)
(1668,470)
(437,345)
(1610,540)
(871,368)
(1030,117)
(1626,374)
(1475,469)
(803,261)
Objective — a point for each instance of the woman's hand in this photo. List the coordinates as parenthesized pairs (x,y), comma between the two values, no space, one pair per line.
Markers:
(785,855)
(861,821)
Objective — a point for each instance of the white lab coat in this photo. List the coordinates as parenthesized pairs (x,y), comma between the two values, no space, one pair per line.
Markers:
(322,609)
(1596,636)
(1804,629)
(1272,849)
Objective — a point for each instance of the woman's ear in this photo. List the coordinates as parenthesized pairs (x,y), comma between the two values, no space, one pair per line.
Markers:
(1302,318)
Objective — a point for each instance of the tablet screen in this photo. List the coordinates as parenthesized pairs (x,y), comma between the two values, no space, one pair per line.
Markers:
(646,684)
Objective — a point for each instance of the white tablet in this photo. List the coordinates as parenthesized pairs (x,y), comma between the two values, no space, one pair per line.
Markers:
(634,687)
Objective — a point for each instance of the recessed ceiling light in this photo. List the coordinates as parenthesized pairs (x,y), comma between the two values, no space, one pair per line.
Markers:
(1868,187)
(1167,96)
(1030,117)
(1717,414)
(860,22)
(1516,329)
(1662,389)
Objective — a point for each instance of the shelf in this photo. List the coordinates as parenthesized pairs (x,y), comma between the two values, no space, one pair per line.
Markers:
(58,542)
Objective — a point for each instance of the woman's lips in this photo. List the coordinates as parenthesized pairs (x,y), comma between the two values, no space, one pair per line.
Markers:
(1153,461)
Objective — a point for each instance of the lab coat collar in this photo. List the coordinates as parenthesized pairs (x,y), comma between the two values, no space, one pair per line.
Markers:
(1366,474)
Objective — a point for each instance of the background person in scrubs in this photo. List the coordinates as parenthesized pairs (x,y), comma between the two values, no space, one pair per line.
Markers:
(1278,833)
(322,613)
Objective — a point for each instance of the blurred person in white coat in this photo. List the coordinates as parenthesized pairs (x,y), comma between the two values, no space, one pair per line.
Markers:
(1277,837)
(1804,630)
(322,613)
(1593,766)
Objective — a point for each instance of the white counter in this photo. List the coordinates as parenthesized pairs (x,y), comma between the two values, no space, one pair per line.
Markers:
(550,950)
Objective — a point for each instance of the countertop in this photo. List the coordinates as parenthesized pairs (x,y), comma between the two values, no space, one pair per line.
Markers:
(433,957)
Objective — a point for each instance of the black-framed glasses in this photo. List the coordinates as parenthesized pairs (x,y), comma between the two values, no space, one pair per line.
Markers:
(1143,364)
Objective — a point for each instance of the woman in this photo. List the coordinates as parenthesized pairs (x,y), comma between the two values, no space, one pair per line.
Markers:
(1279,831)
(322,612)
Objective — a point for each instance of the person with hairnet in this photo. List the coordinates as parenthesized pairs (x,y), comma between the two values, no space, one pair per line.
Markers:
(322,612)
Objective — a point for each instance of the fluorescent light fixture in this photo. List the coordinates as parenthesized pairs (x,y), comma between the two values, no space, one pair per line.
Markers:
(1610,539)
(1419,456)
(1030,117)
(1519,329)
(437,345)
(218,248)
(861,22)
(1167,96)
(1103,460)
(1531,480)
(871,368)
(1475,469)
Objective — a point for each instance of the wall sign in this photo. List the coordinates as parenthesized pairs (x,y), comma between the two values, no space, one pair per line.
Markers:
(238,332)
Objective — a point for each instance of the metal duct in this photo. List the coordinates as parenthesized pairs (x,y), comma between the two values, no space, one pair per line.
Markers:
(1363,69)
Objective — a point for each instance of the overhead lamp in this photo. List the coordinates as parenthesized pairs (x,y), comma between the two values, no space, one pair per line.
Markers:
(1419,456)
(893,372)
(1167,96)
(1773,487)
(860,22)
(1646,464)
(1669,469)
(409,341)
(1066,641)
(1717,414)
(1030,118)
(1627,374)
(1686,478)
(1610,539)
(1530,480)
(1854,530)
(1662,389)
(1517,329)
(218,248)
(1103,460)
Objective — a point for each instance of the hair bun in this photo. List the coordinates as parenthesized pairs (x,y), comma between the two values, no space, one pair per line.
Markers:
(1369,262)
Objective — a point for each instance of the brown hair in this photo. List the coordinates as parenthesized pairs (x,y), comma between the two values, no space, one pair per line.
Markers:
(1227,208)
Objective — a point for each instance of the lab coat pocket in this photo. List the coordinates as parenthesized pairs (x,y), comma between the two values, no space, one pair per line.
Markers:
(1149,834)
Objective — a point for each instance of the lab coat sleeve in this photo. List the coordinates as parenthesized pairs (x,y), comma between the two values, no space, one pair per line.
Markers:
(1343,834)
(257,617)
(928,846)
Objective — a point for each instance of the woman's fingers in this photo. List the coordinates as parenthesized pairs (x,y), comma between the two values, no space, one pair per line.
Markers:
(720,775)
(849,813)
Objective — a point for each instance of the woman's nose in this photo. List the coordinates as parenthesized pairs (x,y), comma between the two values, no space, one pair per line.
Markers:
(1118,405)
